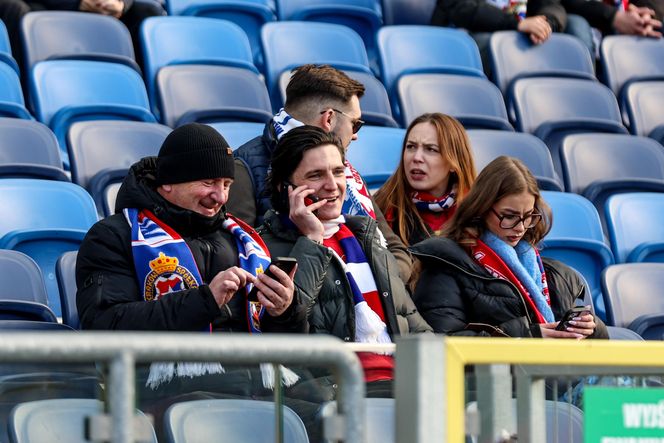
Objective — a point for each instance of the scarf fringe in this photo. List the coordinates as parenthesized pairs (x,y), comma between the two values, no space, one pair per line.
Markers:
(163,372)
(288,377)
(369,328)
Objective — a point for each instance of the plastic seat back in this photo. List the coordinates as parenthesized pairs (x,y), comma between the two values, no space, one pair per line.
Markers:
(293,43)
(222,421)
(238,133)
(489,144)
(12,103)
(380,418)
(376,154)
(408,12)
(514,56)
(576,239)
(643,106)
(648,326)
(202,93)
(627,58)
(6,56)
(65,271)
(29,149)
(191,40)
(474,101)
(62,420)
(66,91)
(633,290)
(634,224)
(618,333)
(51,35)
(22,290)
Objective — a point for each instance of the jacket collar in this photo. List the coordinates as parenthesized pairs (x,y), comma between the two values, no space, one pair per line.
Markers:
(437,249)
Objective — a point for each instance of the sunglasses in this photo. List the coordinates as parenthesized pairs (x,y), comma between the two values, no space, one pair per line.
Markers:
(357,123)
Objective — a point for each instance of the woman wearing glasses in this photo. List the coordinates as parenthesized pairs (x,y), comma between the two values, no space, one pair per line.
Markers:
(434,174)
(485,277)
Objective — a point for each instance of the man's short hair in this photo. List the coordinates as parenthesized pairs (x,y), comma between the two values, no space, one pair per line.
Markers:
(320,83)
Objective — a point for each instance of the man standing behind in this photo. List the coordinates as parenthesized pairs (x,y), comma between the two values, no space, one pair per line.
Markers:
(322,96)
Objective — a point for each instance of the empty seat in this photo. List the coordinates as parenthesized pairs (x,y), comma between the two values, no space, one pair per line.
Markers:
(599,165)
(293,43)
(633,290)
(44,219)
(643,106)
(191,40)
(238,133)
(411,49)
(65,271)
(514,56)
(474,101)
(102,151)
(576,239)
(6,49)
(617,333)
(380,418)
(488,144)
(635,228)
(408,12)
(63,420)
(247,421)
(552,108)
(49,35)
(376,154)
(29,149)
(12,103)
(203,93)
(22,289)
(250,15)
(627,58)
(66,91)
(648,326)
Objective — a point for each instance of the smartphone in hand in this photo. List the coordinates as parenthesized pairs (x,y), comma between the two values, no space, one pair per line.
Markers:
(576,311)
(286,264)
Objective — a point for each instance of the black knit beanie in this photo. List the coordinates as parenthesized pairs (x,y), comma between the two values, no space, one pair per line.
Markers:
(194,152)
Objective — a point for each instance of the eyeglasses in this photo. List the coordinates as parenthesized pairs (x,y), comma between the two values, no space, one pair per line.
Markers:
(509,221)
(357,123)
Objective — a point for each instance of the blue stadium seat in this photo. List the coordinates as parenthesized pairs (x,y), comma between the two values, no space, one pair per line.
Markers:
(649,326)
(62,420)
(363,16)
(250,15)
(412,49)
(222,421)
(376,153)
(191,40)
(633,290)
(22,290)
(101,152)
(12,103)
(474,101)
(44,219)
(576,239)
(6,56)
(514,56)
(488,144)
(635,228)
(599,165)
(238,133)
(65,272)
(408,12)
(49,35)
(552,108)
(204,93)
(626,59)
(289,44)
(380,418)
(66,91)
(643,107)
(29,149)
(617,333)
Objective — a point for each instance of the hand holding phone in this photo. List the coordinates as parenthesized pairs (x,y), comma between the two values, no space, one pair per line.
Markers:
(286,264)
(576,311)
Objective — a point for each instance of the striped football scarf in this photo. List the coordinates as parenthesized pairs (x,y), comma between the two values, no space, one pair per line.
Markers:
(426,202)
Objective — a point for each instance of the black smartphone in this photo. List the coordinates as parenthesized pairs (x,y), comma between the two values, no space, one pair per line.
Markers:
(576,311)
(309,199)
(286,264)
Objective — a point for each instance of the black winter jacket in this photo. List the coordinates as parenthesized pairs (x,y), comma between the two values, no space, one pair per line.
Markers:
(324,288)
(453,291)
(482,16)
(109,296)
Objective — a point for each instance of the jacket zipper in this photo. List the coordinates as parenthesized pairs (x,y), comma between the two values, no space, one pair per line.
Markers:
(207,257)
(481,277)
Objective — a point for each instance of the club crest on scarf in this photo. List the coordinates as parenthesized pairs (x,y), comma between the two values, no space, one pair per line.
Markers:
(167,276)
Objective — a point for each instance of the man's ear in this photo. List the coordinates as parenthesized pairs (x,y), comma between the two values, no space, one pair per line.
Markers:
(166,188)
(325,120)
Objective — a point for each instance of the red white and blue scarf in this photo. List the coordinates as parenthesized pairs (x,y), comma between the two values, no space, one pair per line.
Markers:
(426,202)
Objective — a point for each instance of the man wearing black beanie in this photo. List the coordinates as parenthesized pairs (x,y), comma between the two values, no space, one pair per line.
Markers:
(172,259)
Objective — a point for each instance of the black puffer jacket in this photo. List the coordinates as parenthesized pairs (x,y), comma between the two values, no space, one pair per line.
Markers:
(453,291)
(109,296)
(323,285)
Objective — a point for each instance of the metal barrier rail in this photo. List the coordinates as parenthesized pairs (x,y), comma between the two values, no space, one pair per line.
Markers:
(122,350)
